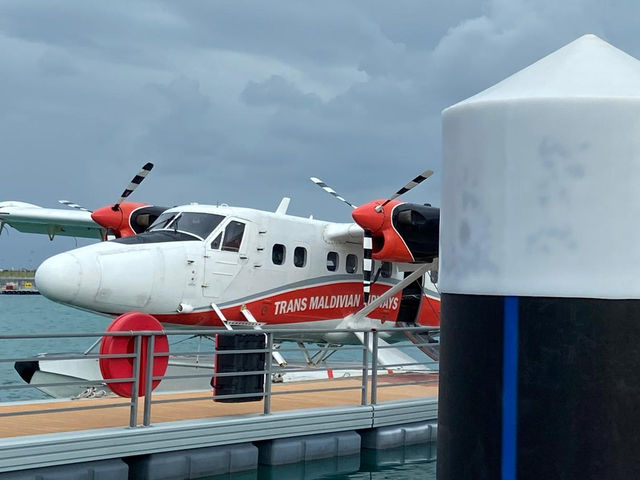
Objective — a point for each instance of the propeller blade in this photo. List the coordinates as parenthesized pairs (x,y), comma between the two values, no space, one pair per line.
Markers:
(367,243)
(367,265)
(416,181)
(73,205)
(137,180)
(330,190)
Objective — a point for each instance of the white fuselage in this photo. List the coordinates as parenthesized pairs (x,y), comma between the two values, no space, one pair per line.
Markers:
(286,270)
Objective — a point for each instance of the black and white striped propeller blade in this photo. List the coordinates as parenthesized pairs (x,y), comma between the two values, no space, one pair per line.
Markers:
(73,205)
(330,190)
(367,265)
(416,181)
(137,180)
(367,243)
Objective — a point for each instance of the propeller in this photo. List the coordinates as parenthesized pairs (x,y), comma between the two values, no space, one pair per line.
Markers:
(137,180)
(369,218)
(416,181)
(367,243)
(330,190)
(367,264)
(117,217)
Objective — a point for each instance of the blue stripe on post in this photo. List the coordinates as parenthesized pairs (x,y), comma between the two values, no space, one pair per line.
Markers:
(510,388)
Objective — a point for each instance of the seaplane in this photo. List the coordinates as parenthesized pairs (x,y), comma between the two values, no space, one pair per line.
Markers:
(224,266)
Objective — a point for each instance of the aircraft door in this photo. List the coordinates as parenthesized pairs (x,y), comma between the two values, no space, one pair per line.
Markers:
(224,257)
(411,301)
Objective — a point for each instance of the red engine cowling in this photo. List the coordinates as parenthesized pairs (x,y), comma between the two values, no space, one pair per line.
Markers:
(401,232)
(127,219)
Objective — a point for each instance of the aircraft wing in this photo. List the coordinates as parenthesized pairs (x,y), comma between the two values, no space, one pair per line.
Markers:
(29,218)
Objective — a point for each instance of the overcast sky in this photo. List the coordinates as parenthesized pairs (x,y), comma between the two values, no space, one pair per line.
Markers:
(241,101)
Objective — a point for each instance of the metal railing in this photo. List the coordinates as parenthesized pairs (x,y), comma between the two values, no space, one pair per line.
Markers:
(365,361)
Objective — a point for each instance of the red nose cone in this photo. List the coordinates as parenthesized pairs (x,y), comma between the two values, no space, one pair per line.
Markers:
(108,218)
(367,217)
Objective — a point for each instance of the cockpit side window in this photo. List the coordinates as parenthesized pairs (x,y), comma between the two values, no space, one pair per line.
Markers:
(233,236)
(215,245)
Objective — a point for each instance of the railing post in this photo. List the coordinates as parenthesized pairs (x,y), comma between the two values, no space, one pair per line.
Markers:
(374,368)
(267,378)
(365,369)
(148,380)
(133,416)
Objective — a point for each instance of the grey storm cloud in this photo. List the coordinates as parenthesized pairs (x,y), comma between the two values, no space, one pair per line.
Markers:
(277,91)
(241,101)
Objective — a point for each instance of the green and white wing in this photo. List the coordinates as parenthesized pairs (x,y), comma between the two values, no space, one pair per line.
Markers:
(29,218)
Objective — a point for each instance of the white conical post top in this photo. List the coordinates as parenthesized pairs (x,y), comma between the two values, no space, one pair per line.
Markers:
(541,192)
(587,67)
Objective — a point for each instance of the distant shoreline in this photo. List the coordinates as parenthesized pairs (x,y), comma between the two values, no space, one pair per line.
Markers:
(22,274)
(17,282)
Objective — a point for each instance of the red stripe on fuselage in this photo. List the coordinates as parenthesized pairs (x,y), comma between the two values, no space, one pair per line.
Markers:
(323,302)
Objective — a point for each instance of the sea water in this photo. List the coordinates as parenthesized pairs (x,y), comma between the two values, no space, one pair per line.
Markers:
(35,314)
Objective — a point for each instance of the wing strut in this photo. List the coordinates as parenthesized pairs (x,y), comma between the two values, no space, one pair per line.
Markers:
(386,356)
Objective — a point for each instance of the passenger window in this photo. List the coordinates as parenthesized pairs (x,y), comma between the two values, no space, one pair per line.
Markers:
(385,270)
(215,245)
(278,254)
(300,257)
(332,261)
(352,263)
(233,236)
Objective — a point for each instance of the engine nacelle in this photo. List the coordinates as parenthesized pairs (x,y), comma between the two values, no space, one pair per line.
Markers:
(128,219)
(401,232)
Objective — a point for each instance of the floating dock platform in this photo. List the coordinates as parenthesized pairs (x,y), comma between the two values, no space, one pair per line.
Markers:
(189,435)
(303,426)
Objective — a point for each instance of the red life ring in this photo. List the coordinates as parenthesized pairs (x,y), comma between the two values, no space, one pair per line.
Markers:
(115,368)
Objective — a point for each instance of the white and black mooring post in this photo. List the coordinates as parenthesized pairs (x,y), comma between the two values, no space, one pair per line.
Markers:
(540,273)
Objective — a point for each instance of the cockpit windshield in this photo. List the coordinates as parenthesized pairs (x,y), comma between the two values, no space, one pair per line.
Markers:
(197,224)
(162,221)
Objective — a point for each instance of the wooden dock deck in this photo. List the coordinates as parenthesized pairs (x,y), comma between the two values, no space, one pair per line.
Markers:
(287,396)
